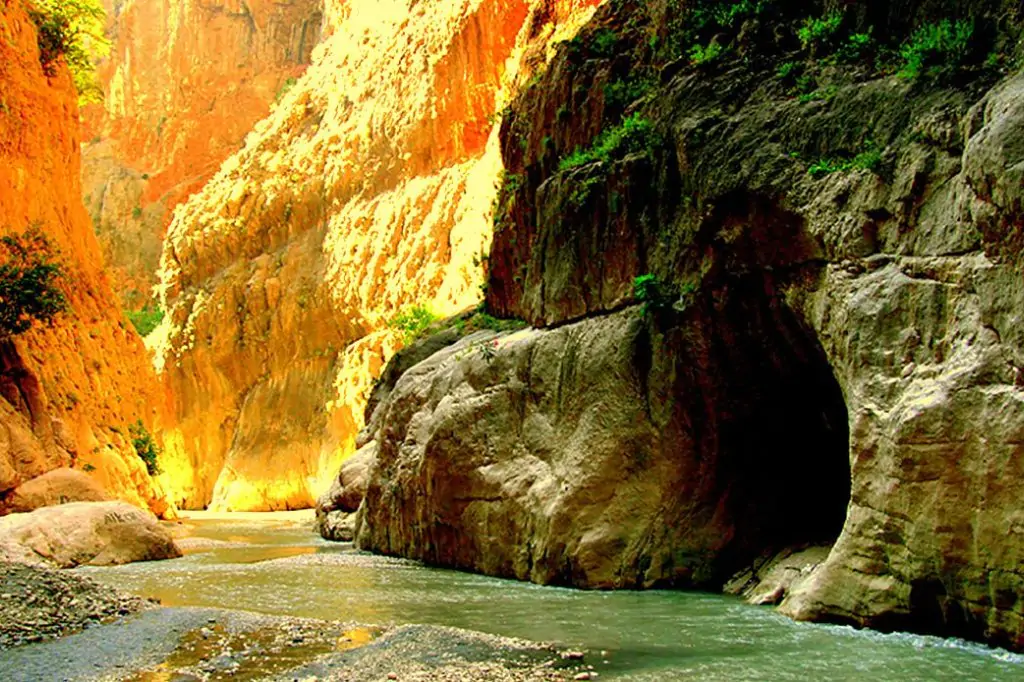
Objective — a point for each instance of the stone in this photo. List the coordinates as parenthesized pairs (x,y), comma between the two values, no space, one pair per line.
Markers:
(54,487)
(85,533)
(584,455)
(770,579)
(337,525)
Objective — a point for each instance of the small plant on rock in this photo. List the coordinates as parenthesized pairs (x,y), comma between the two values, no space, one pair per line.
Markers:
(148,318)
(412,322)
(701,56)
(635,134)
(72,30)
(938,51)
(29,280)
(819,33)
(145,447)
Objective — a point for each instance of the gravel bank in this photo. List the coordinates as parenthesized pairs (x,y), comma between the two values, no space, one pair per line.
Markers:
(442,654)
(37,604)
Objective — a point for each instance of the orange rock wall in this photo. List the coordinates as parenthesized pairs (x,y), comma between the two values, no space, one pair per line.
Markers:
(367,190)
(67,391)
(185,82)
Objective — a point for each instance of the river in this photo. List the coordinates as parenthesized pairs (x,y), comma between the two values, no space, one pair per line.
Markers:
(273,564)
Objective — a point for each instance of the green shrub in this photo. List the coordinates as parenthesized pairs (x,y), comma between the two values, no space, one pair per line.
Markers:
(412,322)
(700,55)
(72,30)
(696,22)
(938,50)
(652,292)
(28,283)
(819,95)
(634,134)
(869,159)
(857,46)
(146,319)
(788,70)
(145,447)
(605,43)
(288,84)
(819,32)
(620,94)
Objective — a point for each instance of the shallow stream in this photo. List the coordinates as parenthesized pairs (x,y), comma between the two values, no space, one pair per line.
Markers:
(273,564)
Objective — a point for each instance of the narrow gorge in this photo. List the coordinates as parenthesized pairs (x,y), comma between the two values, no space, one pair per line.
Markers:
(658,300)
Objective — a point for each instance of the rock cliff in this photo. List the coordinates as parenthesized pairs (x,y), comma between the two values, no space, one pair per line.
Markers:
(184,83)
(774,250)
(367,191)
(68,391)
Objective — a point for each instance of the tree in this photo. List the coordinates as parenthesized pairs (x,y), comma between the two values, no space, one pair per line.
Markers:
(72,30)
(28,283)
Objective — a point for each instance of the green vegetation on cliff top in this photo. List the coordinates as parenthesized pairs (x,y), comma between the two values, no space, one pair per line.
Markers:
(72,30)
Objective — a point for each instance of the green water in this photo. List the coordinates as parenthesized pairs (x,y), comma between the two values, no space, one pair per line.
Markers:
(278,567)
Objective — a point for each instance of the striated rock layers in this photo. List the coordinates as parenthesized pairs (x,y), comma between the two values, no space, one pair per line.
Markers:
(185,82)
(829,346)
(69,390)
(366,191)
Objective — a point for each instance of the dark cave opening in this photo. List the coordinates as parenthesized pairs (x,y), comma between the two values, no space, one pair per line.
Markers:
(767,414)
(784,439)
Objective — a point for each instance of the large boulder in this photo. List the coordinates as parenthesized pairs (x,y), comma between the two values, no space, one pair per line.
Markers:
(595,455)
(335,508)
(59,486)
(93,533)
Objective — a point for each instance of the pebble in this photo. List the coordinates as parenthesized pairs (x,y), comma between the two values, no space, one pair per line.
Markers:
(42,603)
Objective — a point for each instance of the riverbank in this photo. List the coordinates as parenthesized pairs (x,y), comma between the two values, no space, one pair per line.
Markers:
(38,604)
(192,644)
(266,565)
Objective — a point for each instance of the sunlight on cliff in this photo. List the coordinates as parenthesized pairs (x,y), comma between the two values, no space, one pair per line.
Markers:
(367,190)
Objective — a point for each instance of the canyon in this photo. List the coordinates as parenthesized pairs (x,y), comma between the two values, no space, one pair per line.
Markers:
(709,295)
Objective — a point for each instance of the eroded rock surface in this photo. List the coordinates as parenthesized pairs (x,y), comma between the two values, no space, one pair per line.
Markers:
(588,456)
(895,286)
(184,84)
(59,486)
(68,391)
(365,192)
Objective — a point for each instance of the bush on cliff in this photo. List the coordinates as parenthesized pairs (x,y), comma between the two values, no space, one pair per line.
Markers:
(146,319)
(72,30)
(145,447)
(28,283)
(938,51)
(412,322)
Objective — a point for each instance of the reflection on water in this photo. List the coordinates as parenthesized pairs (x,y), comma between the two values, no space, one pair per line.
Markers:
(280,568)
(215,654)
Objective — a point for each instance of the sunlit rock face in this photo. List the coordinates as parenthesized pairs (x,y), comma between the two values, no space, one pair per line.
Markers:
(67,391)
(367,190)
(185,82)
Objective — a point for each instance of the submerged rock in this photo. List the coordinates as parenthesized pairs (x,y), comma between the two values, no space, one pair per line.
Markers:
(94,533)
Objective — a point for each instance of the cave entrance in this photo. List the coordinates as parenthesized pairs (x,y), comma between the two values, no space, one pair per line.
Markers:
(784,440)
(780,438)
